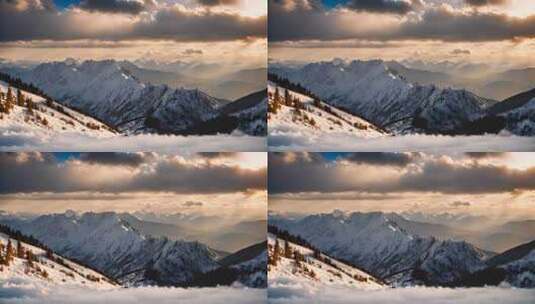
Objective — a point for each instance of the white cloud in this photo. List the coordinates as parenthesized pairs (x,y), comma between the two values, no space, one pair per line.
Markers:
(33,292)
(291,141)
(289,292)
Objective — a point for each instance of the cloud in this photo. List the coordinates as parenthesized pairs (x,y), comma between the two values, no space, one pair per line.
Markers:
(291,20)
(486,155)
(218,155)
(460,204)
(485,2)
(192,52)
(382,159)
(115,159)
(450,25)
(174,23)
(41,172)
(460,52)
(217,2)
(133,7)
(440,174)
(381,6)
(192,204)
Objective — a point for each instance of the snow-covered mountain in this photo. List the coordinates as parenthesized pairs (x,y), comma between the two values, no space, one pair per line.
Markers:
(40,116)
(378,243)
(381,95)
(46,268)
(113,92)
(109,92)
(246,266)
(311,267)
(108,243)
(302,114)
(515,266)
(518,112)
(518,263)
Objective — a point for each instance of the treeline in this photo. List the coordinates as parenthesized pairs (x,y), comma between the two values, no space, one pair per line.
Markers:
(18,83)
(285,83)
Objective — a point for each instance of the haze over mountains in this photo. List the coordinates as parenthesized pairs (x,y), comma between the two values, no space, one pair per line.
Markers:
(405,252)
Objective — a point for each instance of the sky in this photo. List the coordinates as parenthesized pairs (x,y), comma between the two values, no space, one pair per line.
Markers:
(495,185)
(199,31)
(496,32)
(229,185)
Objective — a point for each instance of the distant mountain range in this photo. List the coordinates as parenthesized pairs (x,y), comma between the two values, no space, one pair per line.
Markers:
(122,95)
(121,246)
(404,252)
(404,100)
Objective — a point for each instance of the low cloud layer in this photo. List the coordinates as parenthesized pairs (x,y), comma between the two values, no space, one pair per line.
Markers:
(119,173)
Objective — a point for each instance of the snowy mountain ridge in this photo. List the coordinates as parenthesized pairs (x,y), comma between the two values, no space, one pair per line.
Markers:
(378,243)
(304,114)
(309,267)
(108,243)
(37,115)
(34,264)
(374,91)
(110,92)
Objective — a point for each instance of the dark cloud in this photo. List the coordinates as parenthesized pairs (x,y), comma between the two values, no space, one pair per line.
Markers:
(381,6)
(290,174)
(457,204)
(217,2)
(218,155)
(486,155)
(448,25)
(192,52)
(460,52)
(382,159)
(485,2)
(42,173)
(192,204)
(115,159)
(166,23)
(132,7)
(301,22)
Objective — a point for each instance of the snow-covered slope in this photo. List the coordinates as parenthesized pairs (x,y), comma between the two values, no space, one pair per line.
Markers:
(49,269)
(308,117)
(316,269)
(48,118)
(521,120)
(378,244)
(108,243)
(246,267)
(109,92)
(372,90)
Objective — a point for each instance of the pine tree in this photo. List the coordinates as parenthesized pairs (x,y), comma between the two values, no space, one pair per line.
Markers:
(30,257)
(20,98)
(287,250)
(287,98)
(277,96)
(49,254)
(9,252)
(9,97)
(20,249)
(276,252)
